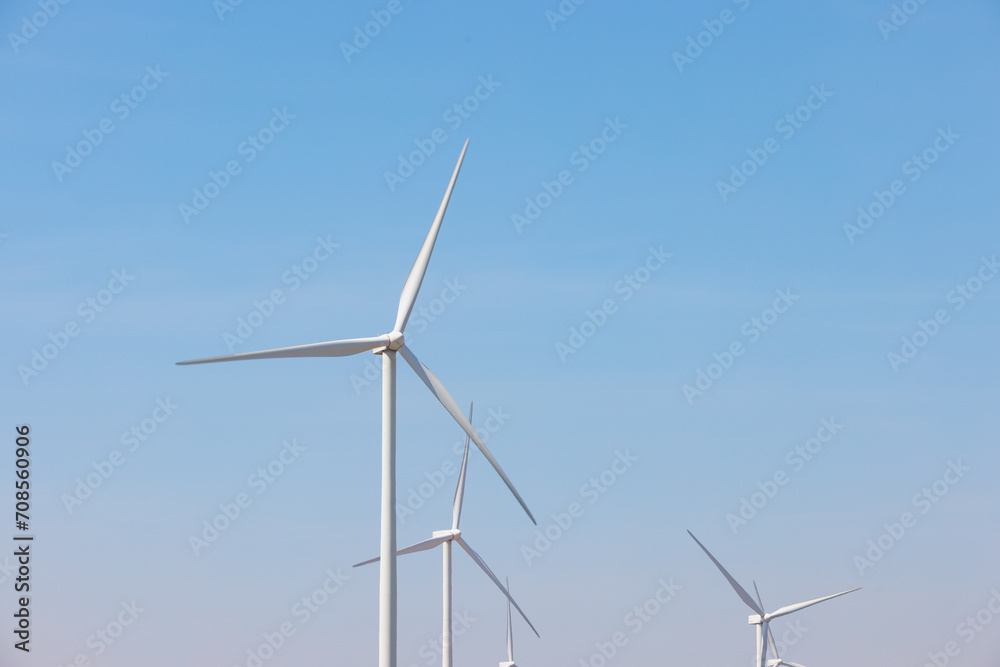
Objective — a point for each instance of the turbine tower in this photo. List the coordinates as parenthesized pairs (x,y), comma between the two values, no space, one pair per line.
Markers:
(387,345)
(445,538)
(510,637)
(760,618)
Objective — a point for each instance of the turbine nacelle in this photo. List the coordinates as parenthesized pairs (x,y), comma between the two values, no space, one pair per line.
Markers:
(755,619)
(451,533)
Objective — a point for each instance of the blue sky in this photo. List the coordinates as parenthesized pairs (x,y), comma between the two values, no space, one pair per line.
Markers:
(821,109)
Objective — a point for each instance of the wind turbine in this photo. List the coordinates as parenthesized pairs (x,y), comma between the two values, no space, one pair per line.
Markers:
(777,661)
(510,637)
(388,345)
(445,538)
(760,618)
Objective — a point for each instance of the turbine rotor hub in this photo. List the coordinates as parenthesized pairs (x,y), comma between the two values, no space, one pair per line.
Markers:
(394,342)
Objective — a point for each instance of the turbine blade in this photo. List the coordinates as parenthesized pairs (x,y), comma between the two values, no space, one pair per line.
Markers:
(750,602)
(774,646)
(486,568)
(757,591)
(413,281)
(334,348)
(770,636)
(423,546)
(368,562)
(802,605)
(456,509)
(419,546)
(449,404)
(791,664)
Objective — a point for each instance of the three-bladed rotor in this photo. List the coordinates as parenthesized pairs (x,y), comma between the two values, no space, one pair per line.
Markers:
(760,618)
(394,340)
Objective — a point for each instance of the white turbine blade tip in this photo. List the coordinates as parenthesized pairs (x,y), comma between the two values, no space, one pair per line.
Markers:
(802,605)
(456,509)
(486,568)
(449,404)
(749,601)
(416,276)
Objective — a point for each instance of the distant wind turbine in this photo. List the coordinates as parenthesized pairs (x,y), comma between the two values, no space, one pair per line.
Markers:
(388,345)
(760,618)
(445,538)
(776,661)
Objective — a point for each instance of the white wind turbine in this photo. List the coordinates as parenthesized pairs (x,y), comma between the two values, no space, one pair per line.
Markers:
(776,661)
(445,538)
(760,618)
(388,345)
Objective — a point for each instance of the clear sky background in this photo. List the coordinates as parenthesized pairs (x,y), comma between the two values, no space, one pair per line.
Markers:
(210,79)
